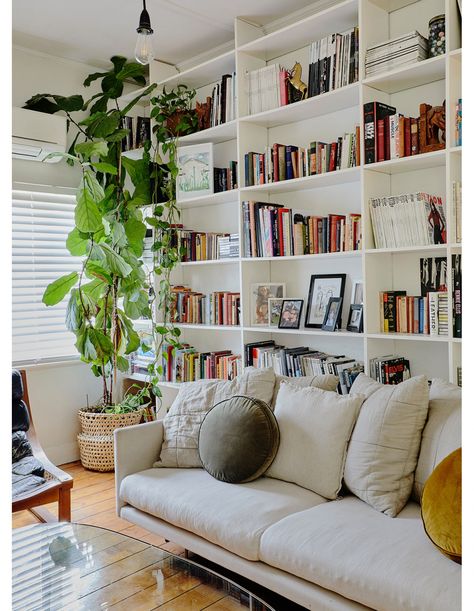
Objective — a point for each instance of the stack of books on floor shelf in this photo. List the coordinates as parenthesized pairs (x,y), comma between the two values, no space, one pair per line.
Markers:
(273,230)
(193,307)
(285,162)
(390,369)
(401,51)
(205,246)
(302,361)
(189,365)
(412,219)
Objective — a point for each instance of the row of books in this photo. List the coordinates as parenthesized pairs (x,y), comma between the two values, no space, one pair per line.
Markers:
(225,179)
(456,287)
(302,361)
(221,106)
(202,246)
(391,54)
(194,307)
(458,124)
(333,62)
(388,134)
(285,162)
(139,130)
(456,206)
(402,313)
(411,219)
(188,365)
(273,230)
(390,369)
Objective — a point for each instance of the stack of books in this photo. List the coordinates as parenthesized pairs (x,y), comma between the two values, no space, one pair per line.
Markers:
(285,162)
(402,313)
(188,365)
(391,54)
(333,62)
(139,131)
(202,246)
(302,361)
(390,369)
(228,246)
(456,190)
(225,179)
(221,105)
(268,88)
(412,219)
(273,230)
(194,307)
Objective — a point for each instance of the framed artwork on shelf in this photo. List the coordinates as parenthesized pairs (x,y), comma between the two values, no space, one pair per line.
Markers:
(355,320)
(274,310)
(195,171)
(333,313)
(260,293)
(357,292)
(322,288)
(290,314)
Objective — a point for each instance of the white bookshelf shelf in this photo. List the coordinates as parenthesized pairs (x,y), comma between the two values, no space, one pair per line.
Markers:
(415,75)
(307,182)
(413,163)
(200,327)
(216,135)
(210,262)
(435,248)
(412,337)
(215,199)
(202,74)
(322,255)
(303,331)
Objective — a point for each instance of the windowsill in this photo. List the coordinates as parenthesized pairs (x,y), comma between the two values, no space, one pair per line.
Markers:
(60,362)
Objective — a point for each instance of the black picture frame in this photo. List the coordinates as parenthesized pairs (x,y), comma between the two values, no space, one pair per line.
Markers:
(323,287)
(290,305)
(355,324)
(333,314)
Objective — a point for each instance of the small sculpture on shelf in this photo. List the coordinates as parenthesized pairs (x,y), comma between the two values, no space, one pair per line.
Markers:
(203,112)
(432,127)
(297,90)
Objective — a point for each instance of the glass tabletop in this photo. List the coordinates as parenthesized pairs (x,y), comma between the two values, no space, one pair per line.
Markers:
(70,567)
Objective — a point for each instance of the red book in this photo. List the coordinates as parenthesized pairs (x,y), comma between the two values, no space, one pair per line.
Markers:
(281,241)
(407,139)
(283,88)
(332,157)
(261,161)
(275,162)
(386,131)
(414,136)
(381,139)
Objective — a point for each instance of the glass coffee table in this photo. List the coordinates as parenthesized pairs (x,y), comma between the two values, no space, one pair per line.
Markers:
(65,566)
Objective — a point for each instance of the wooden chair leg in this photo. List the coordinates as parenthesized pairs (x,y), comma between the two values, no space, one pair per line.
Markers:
(64,505)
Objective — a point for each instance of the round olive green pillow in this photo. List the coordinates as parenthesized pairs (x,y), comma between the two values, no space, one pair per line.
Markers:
(441,506)
(238,440)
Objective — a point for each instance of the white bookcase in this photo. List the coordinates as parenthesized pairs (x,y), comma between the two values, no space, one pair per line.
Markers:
(320,118)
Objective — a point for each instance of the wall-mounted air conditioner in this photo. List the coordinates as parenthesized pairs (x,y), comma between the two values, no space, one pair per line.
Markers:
(36,134)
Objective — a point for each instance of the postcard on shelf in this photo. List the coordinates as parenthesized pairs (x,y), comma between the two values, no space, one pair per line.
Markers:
(196,175)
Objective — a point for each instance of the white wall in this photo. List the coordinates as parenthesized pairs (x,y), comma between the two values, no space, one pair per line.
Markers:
(56,391)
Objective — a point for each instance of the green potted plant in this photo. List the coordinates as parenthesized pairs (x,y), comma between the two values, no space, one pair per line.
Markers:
(174,112)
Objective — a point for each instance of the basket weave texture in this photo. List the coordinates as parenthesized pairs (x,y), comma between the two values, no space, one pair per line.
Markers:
(96,441)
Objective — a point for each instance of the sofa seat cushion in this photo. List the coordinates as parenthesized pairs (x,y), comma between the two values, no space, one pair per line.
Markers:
(348,547)
(233,516)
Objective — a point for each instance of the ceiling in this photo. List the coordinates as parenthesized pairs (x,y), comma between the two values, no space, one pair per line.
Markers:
(91,31)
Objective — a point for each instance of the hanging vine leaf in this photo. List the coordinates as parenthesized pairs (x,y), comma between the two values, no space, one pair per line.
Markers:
(57,290)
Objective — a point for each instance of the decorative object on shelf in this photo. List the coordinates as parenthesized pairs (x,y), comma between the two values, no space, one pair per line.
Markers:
(332,315)
(290,314)
(322,288)
(173,112)
(355,321)
(203,112)
(437,36)
(260,293)
(357,292)
(432,128)
(299,89)
(195,173)
(144,53)
(274,311)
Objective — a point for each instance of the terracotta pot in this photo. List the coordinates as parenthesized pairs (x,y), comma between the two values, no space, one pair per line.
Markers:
(173,121)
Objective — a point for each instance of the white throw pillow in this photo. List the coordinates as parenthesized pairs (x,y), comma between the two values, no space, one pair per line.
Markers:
(183,420)
(383,451)
(315,428)
(442,432)
(323,381)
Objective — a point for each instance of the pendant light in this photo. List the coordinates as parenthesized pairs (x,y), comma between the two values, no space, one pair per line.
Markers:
(144,48)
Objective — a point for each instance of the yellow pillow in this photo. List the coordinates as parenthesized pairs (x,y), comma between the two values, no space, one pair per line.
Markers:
(441,506)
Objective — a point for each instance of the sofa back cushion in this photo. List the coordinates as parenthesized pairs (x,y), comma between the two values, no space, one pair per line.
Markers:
(324,382)
(181,423)
(383,451)
(442,432)
(315,428)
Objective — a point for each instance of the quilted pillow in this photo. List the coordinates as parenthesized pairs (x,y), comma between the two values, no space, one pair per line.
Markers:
(384,447)
(183,420)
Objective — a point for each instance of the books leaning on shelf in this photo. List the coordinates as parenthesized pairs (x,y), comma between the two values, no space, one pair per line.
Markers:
(220,106)
(273,230)
(302,361)
(458,124)
(193,307)
(456,272)
(390,369)
(457,209)
(412,219)
(225,179)
(333,62)
(139,130)
(401,51)
(402,313)
(188,365)
(202,246)
(285,162)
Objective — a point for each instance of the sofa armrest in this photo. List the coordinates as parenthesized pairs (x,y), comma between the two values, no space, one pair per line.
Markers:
(136,448)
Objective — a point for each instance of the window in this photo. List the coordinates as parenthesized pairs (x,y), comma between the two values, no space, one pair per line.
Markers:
(40,223)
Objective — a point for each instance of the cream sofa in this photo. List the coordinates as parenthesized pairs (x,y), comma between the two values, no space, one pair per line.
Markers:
(340,554)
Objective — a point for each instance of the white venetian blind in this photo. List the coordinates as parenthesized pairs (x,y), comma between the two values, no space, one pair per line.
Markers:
(40,224)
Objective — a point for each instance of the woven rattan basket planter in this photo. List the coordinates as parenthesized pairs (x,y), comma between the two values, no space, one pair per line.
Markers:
(96,441)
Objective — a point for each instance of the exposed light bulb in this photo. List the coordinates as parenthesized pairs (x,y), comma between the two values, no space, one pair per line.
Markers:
(144,48)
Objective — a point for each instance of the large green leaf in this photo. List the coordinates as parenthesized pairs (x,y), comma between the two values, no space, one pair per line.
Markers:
(117,233)
(95,270)
(69,104)
(138,307)
(93,77)
(131,104)
(131,69)
(77,243)
(101,124)
(57,290)
(41,102)
(87,215)
(136,231)
(93,291)
(122,364)
(118,61)
(141,195)
(94,187)
(115,262)
(102,344)
(106,168)
(117,136)
(137,169)
(90,149)
(73,312)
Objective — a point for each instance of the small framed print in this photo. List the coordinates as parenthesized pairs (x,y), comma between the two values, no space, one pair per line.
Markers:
(260,293)
(195,171)
(355,320)
(333,312)
(274,310)
(290,314)
(357,292)
(322,288)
